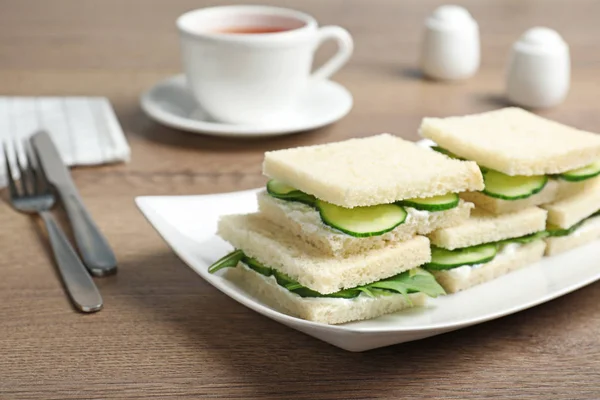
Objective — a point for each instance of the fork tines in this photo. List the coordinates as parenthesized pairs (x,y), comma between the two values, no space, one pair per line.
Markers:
(31,181)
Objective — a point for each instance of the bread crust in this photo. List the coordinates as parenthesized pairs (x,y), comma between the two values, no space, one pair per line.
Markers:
(514,141)
(454,281)
(317,309)
(586,233)
(374,170)
(273,246)
(580,204)
(498,206)
(485,227)
(305,223)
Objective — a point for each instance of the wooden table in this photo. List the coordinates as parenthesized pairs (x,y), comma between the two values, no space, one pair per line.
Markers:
(164,332)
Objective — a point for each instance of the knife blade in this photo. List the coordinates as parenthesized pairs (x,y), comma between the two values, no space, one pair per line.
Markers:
(95,251)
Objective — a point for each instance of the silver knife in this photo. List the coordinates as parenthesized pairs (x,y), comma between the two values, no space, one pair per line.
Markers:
(93,246)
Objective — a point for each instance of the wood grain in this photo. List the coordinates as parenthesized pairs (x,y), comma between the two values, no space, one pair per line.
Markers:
(164,333)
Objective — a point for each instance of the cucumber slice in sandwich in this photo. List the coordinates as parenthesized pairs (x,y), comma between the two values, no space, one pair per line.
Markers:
(452,155)
(581,174)
(446,152)
(507,187)
(362,221)
(555,231)
(436,203)
(527,238)
(447,259)
(283,191)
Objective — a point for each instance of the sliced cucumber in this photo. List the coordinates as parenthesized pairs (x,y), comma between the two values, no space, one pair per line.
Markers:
(555,231)
(229,261)
(446,152)
(362,221)
(279,189)
(284,191)
(507,187)
(447,259)
(527,238)
(436,203)
(583,173)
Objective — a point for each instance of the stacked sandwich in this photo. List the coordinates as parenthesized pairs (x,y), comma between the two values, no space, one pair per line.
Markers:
(526,161)
(338,236)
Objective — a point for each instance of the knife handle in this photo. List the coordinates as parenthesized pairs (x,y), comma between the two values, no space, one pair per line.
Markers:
(79,285)
(95,251)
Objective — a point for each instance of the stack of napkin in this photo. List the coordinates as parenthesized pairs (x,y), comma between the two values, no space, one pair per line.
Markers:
(85,129)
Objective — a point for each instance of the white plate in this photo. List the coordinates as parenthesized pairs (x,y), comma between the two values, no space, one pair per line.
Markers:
(188,224)
(170,103)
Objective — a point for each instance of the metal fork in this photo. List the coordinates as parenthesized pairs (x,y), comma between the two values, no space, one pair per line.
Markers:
(36,197)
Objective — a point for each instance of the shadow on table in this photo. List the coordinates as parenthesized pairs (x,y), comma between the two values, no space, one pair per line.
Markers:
(495,100)
(259,357)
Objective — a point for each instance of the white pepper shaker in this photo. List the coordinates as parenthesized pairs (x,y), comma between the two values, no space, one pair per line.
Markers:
(450,47)
(539,69)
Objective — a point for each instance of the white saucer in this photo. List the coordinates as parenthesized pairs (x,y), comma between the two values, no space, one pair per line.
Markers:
(170,103)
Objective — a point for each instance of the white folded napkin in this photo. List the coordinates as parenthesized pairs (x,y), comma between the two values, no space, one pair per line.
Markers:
(84,129)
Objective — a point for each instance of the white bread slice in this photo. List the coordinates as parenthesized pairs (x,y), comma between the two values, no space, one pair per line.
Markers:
(579,205)
(586,233)
(485,227)
(498,206)
(514,141)
(305,222)
(374,170)
(461,278)
(324,310)
(274,247)
(567,189)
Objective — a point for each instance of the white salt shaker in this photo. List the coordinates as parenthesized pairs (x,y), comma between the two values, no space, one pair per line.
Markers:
(539,69)
(450,46)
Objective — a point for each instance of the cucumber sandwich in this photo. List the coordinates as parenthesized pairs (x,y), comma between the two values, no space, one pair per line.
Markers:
(361,194)
(573,220)
(526,160)
(298,279)
(486,246)
(335,239)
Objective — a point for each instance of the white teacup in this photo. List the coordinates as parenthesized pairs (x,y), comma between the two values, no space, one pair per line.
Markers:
(250,64)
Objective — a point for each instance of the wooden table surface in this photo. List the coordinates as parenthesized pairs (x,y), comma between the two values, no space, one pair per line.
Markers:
(164,332)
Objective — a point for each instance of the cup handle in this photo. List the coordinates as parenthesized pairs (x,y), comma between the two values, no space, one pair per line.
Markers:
(345,48)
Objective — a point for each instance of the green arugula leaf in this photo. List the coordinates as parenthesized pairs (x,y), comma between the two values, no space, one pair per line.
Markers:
(366,291)
(342,294)
(228,261)
(253,264)
(283,279)
(415,280)
(293,286)
(397,287)
(404,283)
